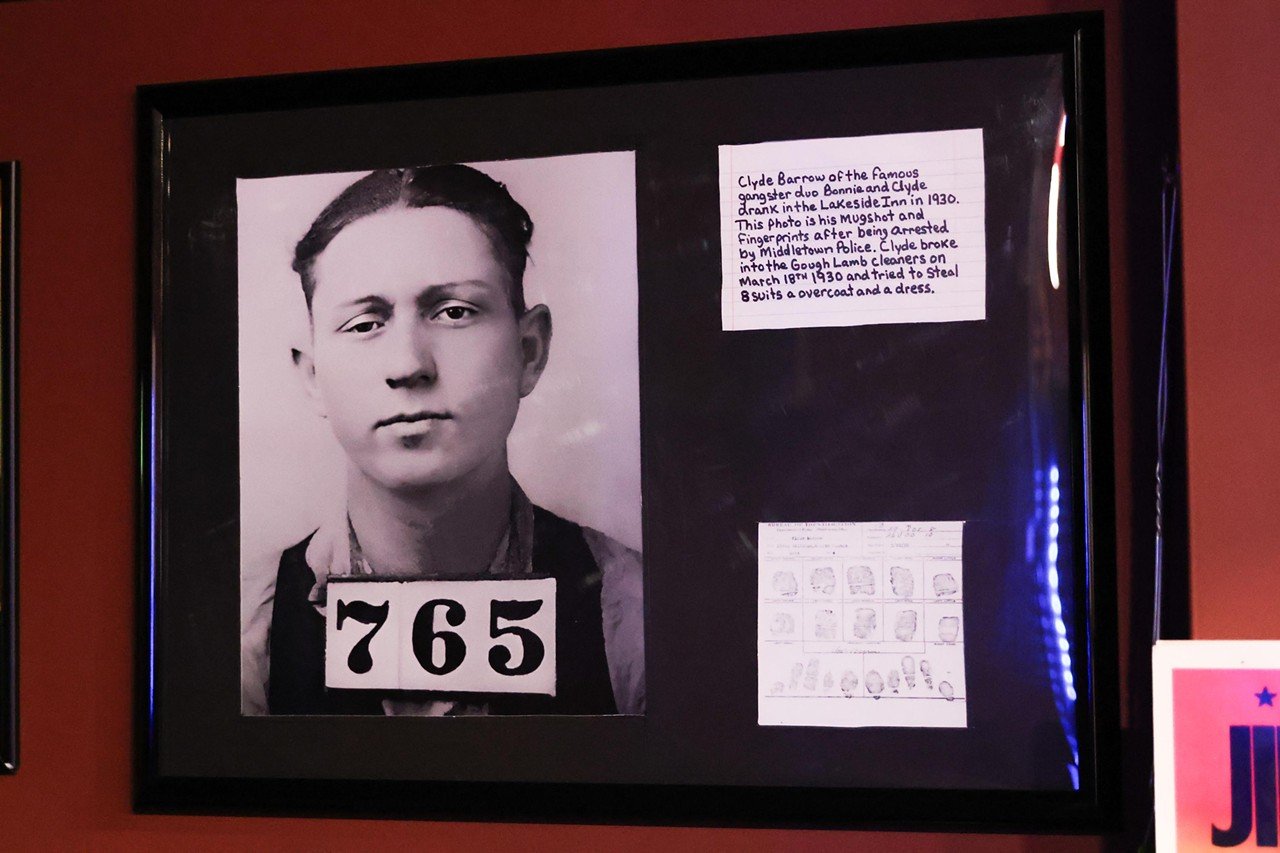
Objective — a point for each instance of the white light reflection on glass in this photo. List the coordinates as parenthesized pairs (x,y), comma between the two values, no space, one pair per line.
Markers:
(1055,185)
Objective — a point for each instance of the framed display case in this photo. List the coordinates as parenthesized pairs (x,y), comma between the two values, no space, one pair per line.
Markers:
(698,433)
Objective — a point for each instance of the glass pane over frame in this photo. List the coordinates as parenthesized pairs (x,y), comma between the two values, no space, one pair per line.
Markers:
(981,422)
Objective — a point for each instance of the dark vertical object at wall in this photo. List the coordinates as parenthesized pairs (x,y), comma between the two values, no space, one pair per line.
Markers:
(8,467)
(1150,149)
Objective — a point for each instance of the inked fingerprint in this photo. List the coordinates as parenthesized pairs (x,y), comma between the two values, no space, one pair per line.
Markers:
(797,670)
(948,628)
(864,623)
(811,675)
(875,683)
(945,584)
(828,681)
(902,582)
(823,580)
(926,669)
(776,688)
(861,580)
(848,682)
(905,626)
(783,623)
(909,672)
(948,692)
(824,625)
(894,680)
(784,584)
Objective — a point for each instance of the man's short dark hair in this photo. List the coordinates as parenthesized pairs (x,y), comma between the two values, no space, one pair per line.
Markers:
(458,187)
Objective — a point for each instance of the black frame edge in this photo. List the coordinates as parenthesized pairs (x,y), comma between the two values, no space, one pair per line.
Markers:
(149,275)
(1102,558)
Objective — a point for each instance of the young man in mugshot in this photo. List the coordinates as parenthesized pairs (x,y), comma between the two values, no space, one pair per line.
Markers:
(421,349)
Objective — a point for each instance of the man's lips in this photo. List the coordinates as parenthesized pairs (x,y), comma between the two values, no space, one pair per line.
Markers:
(413,418)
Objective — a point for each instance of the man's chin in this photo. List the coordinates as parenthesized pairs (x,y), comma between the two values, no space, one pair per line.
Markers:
(427,473)
(412,483)
(417,479)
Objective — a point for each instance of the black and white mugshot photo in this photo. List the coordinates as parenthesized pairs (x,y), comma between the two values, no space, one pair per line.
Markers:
(439,382)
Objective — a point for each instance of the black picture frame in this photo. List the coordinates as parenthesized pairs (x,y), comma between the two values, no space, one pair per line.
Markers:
(195,753)
(9,467)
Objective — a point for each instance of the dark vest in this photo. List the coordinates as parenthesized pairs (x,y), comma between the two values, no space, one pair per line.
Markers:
(582,672)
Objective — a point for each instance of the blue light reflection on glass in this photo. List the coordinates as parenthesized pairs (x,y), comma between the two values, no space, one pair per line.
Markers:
(1057,643)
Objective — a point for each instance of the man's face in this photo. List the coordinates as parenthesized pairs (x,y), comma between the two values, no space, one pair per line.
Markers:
(418,359)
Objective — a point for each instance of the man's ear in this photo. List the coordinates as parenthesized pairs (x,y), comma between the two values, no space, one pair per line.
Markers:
(535,346)
(306,369)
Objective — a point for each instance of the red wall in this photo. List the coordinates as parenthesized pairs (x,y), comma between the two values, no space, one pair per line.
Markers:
(67,76)
(1230,92)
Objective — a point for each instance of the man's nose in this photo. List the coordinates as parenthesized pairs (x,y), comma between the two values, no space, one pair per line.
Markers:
(410,361)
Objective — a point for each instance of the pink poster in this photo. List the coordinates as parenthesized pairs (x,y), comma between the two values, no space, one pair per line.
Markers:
(1217,709)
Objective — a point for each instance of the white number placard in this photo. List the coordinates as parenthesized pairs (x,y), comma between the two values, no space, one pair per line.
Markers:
(476,636)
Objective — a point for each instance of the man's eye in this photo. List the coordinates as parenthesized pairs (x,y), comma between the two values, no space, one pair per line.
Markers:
(362,325)
(455,313)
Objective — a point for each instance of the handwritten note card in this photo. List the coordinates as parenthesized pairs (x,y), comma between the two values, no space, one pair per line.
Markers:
(862,624)
(853,231)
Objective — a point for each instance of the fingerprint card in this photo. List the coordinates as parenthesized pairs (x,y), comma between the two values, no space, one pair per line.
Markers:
(861,624)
